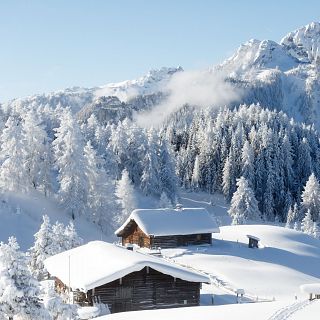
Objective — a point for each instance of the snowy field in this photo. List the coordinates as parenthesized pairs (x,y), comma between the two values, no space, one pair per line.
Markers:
(285,260)
(260,311)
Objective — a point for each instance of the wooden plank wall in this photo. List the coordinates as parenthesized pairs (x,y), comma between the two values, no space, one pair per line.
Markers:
(181,240)
(147,289)
(137,236)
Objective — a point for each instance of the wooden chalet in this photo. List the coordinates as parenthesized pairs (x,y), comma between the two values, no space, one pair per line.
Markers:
(168,228)
(125,280)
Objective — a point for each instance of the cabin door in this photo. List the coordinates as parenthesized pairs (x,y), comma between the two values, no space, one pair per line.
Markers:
(123,301)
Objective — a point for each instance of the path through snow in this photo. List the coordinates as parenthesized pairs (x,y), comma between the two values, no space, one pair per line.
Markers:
(288,311)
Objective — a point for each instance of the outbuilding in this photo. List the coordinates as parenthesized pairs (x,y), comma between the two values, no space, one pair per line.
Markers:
(125,280)
(168,228)
(253,241)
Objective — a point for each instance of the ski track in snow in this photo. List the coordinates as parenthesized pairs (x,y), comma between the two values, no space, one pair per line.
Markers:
(288,311)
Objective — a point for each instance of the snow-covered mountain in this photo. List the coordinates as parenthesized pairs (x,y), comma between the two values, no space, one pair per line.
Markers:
(282,76)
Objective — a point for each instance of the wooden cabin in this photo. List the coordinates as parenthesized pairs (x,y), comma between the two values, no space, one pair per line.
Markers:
(312,289)
(168,228)
(124,280)
(253,241)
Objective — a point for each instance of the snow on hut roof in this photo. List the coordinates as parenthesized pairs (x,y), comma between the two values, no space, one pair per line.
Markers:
(253,237)
(164,222)
(311,288)
(97,263)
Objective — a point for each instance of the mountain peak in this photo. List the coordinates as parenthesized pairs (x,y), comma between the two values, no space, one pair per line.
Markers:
(304,43)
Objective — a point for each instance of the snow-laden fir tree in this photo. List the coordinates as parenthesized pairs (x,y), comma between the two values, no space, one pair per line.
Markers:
(41,250)
(247,161)
(13,173)
(51,240)
(36,153)
(54,304)
(167,176)
(311,197)
(150,176)
(71,164)
(292,216)
(164,201)
(307,223)
(244,205)
(101,189)
(126,196)
(316,231)
(195,178)
(19,291)
(73,240)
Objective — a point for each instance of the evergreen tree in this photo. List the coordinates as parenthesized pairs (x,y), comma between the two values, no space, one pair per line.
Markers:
(164,201)
(316,231)
(307,223)
(150,184)
(13,173)
(229,178)
(101,190)
(244,205)
(195,174)
(126,196)
(247,158)
(41,250)
(71,163)
(290,218)
(19,292)
(167,176)
(311,197)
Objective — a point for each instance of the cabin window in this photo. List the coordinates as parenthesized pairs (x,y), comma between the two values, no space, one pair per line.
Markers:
(198,237)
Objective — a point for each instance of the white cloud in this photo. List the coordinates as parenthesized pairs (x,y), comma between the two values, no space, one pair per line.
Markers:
(197,88)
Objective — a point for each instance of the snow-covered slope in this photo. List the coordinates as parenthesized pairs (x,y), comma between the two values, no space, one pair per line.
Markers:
(21,216)
(285,260)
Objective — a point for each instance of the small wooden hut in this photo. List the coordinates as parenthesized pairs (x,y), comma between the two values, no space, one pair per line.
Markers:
(124,280)
(253,241)
(168,228)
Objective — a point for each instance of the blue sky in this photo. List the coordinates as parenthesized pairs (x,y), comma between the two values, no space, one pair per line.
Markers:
(50,45)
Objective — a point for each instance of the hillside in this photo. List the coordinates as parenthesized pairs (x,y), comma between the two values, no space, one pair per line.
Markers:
(270,275)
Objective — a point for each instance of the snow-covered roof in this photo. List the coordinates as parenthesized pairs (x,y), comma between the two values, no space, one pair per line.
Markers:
(97,263)
(311,288)
(253,237)
(164,222)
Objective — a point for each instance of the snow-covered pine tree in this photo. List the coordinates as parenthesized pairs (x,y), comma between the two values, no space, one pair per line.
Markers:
(290,218)
(167,176)
(195,174)
(316,231)
(71,164)
(150,176)
(41,250)
(164,201)
(307,223)
(19,291)
(73,240)
(311,197)
(229,178)
(247,158)
(13,174)
(101,189)
(126,196)
(54,304)
(36,153)
(244,205)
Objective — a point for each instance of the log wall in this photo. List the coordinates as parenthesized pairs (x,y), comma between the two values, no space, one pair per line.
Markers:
(147,289)
(181,240)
